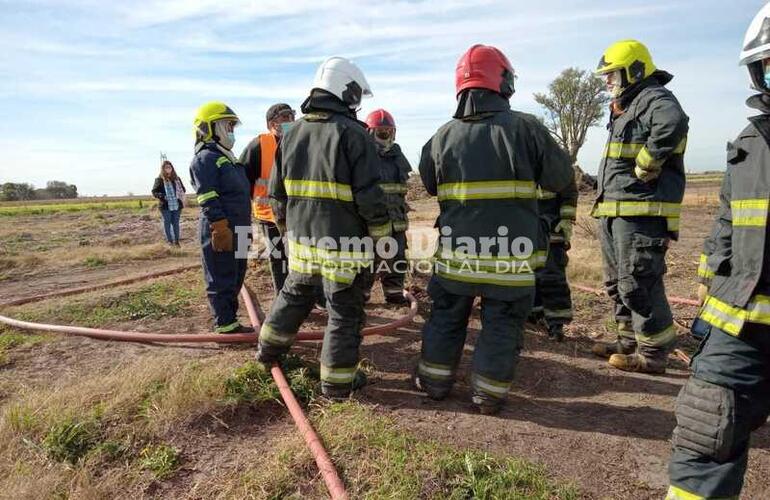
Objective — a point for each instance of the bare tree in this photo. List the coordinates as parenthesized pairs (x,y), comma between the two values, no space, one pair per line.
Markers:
(576,101)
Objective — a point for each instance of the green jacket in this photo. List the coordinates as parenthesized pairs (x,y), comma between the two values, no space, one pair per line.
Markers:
(484,167)
(394,172)
(651,133)
(736,258)
(324,190)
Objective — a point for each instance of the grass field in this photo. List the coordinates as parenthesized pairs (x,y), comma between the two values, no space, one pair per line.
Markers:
(86,419)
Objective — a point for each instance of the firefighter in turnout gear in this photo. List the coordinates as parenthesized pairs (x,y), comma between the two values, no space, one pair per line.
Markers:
(225,221)
(326,198)
(641,186)
(726,397)
(258,158)
(484,166)
(553,300)
(394,172)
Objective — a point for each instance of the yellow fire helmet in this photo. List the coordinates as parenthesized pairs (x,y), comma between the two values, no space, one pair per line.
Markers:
(203,125)
(629,56)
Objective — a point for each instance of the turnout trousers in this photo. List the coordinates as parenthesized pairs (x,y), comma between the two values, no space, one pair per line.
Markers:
(497,349)
(634,255)
(342,338)
(552,295)
(726,398)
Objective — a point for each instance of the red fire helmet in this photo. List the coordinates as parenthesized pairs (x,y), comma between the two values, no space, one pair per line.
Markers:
(485,67)
(380,118)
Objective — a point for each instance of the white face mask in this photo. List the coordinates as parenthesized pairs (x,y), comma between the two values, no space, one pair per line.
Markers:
(613,82)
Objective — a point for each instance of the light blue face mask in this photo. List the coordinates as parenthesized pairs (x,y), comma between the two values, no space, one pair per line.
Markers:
(767,76)
(285,126)
(231,137)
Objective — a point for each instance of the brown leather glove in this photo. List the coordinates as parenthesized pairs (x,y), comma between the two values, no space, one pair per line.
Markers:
(221,236)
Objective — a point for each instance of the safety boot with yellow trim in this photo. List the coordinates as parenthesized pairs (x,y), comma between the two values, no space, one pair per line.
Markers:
(638,363)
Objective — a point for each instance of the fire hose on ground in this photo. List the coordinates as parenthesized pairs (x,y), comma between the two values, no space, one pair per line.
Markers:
(323,460)
(328,471)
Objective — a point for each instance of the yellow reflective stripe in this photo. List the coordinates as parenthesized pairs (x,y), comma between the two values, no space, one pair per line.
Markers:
(484,278)
(543,194)
(672,223)
(268,335)
(318,189)
(645,160)
(620,150)
(750,212)
(338,375)
(486,190)
(434,370)
(662,338)
(380,230)
(222,160)
(455,258)
(676,493)
(494,388)
(307,252)
(636,208)
(393,188)
(703,268)
(203,198)
(331,273)
(680,149)
(730,318)
(400,225)
(558,313)
(568,211)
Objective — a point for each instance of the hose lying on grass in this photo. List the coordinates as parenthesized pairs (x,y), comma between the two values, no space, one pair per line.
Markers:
(329,473)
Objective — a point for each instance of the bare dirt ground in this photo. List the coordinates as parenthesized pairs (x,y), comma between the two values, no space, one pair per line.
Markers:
(606,431)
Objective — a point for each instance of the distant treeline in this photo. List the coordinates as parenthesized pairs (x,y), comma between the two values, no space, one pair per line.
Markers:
(54,190)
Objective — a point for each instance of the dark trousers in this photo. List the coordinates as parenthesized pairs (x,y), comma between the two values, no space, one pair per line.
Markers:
(170,220)
(339,354)
(392,271)
(552,293)
(634,255)
(223,273)
(741,367)
(277,257)
(497,348)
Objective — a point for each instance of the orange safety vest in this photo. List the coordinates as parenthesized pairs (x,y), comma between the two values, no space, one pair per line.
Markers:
(260,204)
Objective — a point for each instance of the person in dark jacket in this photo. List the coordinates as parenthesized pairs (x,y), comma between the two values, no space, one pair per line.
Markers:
(394,172)
(169,191)
(553,299)
(641,186)
(484,166)
(326,199)
(225,221)
(728,394)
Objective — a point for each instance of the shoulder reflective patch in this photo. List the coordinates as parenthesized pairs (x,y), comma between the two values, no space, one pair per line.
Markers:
(222,160)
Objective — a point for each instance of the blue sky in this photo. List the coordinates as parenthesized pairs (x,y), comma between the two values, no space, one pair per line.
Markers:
(93,90)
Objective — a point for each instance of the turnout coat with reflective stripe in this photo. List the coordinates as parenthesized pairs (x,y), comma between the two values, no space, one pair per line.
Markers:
(221,185)
(394,172)
(324,188)
(735,259)
(651,133)
(554,207)
(484,168)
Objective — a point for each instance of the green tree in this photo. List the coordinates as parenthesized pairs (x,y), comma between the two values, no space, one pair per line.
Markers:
(11,191)
(576,101)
